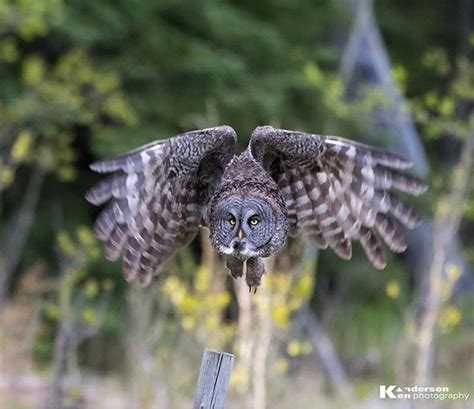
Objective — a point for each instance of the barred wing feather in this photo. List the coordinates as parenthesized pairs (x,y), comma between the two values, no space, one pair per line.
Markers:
(155,197)
(337,190)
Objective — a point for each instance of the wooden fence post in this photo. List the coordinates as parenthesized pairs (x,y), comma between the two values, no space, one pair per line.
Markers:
(213,380)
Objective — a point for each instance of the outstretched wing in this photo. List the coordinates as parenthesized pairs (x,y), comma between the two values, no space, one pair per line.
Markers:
(337,190)
(155,197)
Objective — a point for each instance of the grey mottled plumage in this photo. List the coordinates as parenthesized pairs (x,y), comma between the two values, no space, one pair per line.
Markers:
(285,182)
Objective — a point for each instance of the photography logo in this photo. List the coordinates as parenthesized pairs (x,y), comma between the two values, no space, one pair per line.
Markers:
(419,392)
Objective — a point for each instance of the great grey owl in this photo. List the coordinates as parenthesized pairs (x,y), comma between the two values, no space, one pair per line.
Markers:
(284,183)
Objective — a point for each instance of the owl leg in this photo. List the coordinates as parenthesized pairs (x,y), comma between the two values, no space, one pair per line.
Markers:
(255,271)
(235,266)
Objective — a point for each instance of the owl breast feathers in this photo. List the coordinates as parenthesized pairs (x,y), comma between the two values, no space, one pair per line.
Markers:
(332,189)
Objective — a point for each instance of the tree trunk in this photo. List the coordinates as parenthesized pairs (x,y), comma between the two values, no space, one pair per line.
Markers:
(447,223)
(365,63)
(15,237)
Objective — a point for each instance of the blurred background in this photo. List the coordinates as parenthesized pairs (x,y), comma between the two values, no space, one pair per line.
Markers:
(83,79)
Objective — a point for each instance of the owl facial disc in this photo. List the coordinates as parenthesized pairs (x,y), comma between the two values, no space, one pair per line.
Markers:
(242,226)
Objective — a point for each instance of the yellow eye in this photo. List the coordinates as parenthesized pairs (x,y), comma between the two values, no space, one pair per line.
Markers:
(254,221)
(232,221)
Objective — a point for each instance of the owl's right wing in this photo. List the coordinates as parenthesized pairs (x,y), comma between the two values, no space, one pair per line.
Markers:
(337,190)
(155,197)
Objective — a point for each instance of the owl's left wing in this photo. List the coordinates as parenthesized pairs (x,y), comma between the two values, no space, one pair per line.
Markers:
(155,197)
(337,190)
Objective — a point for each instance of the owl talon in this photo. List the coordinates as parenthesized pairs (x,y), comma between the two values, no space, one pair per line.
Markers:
(253,289)
(235,266)
(255,271)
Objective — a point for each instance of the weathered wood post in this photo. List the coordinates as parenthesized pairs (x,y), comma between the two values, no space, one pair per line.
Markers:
(213,380)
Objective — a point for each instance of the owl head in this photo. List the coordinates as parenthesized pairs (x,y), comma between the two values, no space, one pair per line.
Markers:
(247,226)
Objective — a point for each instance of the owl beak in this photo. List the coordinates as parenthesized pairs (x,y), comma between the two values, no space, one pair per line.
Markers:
(241,234)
